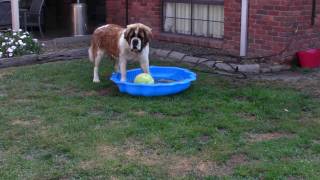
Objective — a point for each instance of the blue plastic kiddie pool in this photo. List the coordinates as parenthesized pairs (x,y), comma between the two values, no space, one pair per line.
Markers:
(168,80)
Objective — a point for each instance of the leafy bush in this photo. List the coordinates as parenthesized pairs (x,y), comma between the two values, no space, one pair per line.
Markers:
(19,43)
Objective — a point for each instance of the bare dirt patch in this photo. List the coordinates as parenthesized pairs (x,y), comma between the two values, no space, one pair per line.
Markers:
(207,168)
(19,122)
(87,165)
(180,166)
(90,93)
(237,159)
(131,152)
(306,82)
(109,91)
(204,139)
(4,73)
(140,113)
(106,151)
(174,165)
(268,136)
(247,116)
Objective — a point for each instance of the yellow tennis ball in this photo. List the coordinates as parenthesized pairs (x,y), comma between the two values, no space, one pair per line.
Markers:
(144,78)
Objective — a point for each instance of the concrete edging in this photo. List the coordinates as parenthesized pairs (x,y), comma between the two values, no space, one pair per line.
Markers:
(44,58)
(245,68)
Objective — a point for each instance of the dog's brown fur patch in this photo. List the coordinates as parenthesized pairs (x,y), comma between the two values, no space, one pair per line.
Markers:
(106,38)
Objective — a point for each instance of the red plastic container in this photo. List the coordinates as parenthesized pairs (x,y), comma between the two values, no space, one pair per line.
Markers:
(309,58)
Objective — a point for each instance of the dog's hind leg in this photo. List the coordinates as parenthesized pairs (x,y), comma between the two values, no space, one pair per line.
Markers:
(97,61)
(116,64)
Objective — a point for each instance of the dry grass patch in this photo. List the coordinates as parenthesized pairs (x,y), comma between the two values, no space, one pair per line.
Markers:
(140,113)
(174,165)
(25,123)
(88,165)
(109,91)
(107,152)
(268,136)
(247,116)
(90,93)
(5,72)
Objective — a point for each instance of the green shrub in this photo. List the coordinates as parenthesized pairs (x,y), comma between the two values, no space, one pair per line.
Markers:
(18,43)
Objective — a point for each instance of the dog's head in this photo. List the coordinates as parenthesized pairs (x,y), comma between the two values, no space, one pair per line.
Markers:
(138,36)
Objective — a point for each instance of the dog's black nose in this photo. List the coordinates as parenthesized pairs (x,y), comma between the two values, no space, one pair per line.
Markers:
(135,43)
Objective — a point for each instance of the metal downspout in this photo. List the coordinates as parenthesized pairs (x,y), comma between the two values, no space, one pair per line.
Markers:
(244,27)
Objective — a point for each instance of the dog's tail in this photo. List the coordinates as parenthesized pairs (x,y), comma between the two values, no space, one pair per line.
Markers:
(93,50)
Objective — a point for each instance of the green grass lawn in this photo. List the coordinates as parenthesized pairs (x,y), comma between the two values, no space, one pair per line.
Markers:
(56,124)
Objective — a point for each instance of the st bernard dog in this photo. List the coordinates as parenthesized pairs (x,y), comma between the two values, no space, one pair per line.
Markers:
(121,44)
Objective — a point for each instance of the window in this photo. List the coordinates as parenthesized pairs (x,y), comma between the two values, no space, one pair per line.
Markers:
(194,17)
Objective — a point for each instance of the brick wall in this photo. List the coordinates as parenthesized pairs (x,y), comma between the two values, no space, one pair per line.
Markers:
(272,24)
(116,13)
(149,12)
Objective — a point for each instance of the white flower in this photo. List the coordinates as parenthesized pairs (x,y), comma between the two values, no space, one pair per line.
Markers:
(3,44)
(16,43)
(35,40)
(13,47)
(42,44)
(14,34)
(9,50)
(20,30)
(23,36)
(10,54)
(6,38)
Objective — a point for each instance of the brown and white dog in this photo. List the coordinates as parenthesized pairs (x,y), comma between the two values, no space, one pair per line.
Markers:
(121,44)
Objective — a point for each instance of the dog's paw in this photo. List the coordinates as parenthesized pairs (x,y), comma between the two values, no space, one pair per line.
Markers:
(96,80)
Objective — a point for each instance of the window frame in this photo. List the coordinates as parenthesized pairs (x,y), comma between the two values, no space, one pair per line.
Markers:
(191,2)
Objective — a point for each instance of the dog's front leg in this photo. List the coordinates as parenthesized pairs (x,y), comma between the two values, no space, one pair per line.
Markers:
(145,67)
(144,63)
(123,69)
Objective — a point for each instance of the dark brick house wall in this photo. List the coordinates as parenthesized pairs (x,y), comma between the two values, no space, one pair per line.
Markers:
(272,25)
(275,25)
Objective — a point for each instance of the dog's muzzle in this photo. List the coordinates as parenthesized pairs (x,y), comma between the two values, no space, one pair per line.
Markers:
(135,44)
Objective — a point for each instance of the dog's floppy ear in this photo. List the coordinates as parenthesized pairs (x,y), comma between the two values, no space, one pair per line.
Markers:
(128,34)
(147,33)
